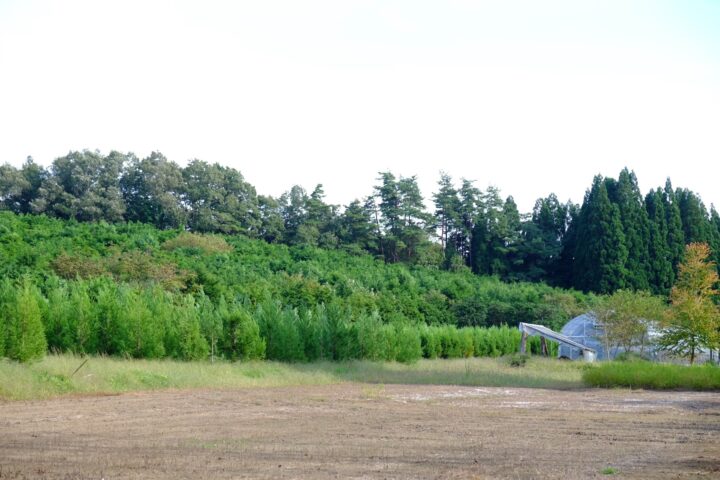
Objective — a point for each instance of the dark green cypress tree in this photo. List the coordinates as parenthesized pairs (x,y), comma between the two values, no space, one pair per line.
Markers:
(715,235)
(661,269)
(675,235)
(563,273)
(694,216)
(636,229)
(600,251)
(508,260)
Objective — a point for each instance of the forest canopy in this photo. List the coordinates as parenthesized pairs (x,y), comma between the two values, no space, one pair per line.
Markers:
(617,238)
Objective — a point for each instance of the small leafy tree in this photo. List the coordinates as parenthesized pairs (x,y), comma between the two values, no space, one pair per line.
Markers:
(694,320)
(624,318)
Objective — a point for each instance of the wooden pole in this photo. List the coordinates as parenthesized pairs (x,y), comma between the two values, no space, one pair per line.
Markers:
(523,342)
(543,346)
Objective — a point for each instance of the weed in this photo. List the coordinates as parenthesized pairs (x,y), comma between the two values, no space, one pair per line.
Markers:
(518,360)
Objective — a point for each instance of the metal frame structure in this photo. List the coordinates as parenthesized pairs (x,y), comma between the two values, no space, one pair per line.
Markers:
(531,329)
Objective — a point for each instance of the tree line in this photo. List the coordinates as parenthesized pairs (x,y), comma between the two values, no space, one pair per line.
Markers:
(616,239)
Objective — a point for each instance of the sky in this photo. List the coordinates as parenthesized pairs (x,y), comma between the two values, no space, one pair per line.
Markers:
(531,97)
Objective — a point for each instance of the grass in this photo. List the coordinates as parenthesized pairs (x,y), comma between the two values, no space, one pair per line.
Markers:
(655,376)
(491,372)
(53,376)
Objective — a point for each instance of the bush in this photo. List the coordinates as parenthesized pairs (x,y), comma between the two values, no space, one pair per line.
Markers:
(409,346)
(183,337)
(279,328)
(200,243)
(430,342)
(518,360)
(24,331)
(132,266)
(657,376)
(242,336)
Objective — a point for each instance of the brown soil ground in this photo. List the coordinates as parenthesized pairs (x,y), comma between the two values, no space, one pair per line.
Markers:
(364,431)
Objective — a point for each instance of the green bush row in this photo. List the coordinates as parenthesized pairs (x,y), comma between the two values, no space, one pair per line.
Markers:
(102,316)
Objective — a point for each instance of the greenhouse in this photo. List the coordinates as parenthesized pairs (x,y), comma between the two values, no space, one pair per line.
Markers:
(586,330)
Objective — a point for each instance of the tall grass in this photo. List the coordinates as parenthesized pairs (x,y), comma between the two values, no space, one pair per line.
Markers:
(53,376)
(656,376)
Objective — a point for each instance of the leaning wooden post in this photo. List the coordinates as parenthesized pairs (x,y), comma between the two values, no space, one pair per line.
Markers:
(543,347)
(523,342)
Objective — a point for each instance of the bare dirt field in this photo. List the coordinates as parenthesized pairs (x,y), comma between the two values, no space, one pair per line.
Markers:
(364,431)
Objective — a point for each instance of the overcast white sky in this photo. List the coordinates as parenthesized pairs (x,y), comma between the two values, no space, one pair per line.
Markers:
(533,97)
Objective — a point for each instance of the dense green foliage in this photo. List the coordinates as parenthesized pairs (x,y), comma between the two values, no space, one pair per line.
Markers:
(657,376)
(133,290)
(616,239)
(22,333)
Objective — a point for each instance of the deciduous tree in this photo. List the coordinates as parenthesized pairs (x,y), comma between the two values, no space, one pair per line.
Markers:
(694,321)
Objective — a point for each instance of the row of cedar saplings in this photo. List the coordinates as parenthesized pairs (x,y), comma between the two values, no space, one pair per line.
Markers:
(100,316)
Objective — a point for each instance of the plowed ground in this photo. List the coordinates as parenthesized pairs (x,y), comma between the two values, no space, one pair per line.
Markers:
(364,431)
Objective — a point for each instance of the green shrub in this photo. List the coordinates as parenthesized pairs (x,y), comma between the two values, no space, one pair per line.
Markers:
(242,336)
(430,342)
(279,328)
(25,332)
(518,360)
(183,336)
(7,296)
(409,346)
(201,243)
(131,266)
(466,342)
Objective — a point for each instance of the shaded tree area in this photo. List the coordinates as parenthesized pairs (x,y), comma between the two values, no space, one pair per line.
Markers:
(616,239)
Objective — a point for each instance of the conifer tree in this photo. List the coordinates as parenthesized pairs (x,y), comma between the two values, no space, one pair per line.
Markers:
(563,275)
(714,236)
(447,206)
(469,206)
(694,216)
(636,229)
(675,235)
(25,332)
(600,251)
(661,273)
(356,226)
(542,239)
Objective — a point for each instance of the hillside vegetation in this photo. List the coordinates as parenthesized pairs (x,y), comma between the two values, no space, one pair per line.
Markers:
(131,289)
(617,238)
